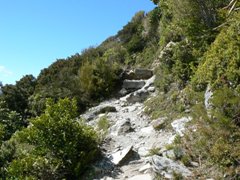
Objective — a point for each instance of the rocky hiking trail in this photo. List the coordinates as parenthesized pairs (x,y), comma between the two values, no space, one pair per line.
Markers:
(128,147)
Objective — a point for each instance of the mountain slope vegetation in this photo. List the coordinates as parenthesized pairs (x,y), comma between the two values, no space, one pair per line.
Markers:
(192,45)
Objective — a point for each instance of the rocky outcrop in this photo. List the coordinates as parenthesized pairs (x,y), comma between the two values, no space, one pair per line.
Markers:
(137,74)
(167,167)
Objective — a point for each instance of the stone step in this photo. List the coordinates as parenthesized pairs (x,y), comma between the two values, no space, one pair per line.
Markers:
(133,84)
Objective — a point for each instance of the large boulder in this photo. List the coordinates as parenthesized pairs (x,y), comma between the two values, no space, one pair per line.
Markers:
(138,74)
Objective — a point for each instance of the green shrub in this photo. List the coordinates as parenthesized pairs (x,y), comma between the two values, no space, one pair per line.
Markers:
(221,64)
(34,167)
(214,144)
(170,105)
(99,78)
(154,151)
(10,122)
(102,126)
(60,145)
(7,154)
(103,123)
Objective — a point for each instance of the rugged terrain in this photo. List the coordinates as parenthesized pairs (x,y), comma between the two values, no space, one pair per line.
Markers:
(134,146)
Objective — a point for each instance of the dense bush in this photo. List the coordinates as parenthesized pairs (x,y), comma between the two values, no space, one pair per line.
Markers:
(99,78)
(221,65)
(55,145)
(16,96)
(10,122)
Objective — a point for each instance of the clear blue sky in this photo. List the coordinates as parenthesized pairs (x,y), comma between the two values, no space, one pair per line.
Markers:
(34,33)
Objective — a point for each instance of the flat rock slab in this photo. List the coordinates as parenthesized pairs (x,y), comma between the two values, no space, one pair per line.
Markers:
(120,156)
(133,84)
(141,177)
(145,168)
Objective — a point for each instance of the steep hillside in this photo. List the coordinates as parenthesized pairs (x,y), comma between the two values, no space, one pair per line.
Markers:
(193,48)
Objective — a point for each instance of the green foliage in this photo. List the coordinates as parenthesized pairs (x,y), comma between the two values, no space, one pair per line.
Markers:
(7,152)
(61,146)
(226,103)
(57,81)
(131,34)
(177,176)
(215,143)
(16,96)
(155,1)
(37,104)
(176,66)
(10,122)
(99,78)
(154,151)
(196,18)
(221,65)
(103,124)
(183,63)
(56,146)
(2,133)
(170,105)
